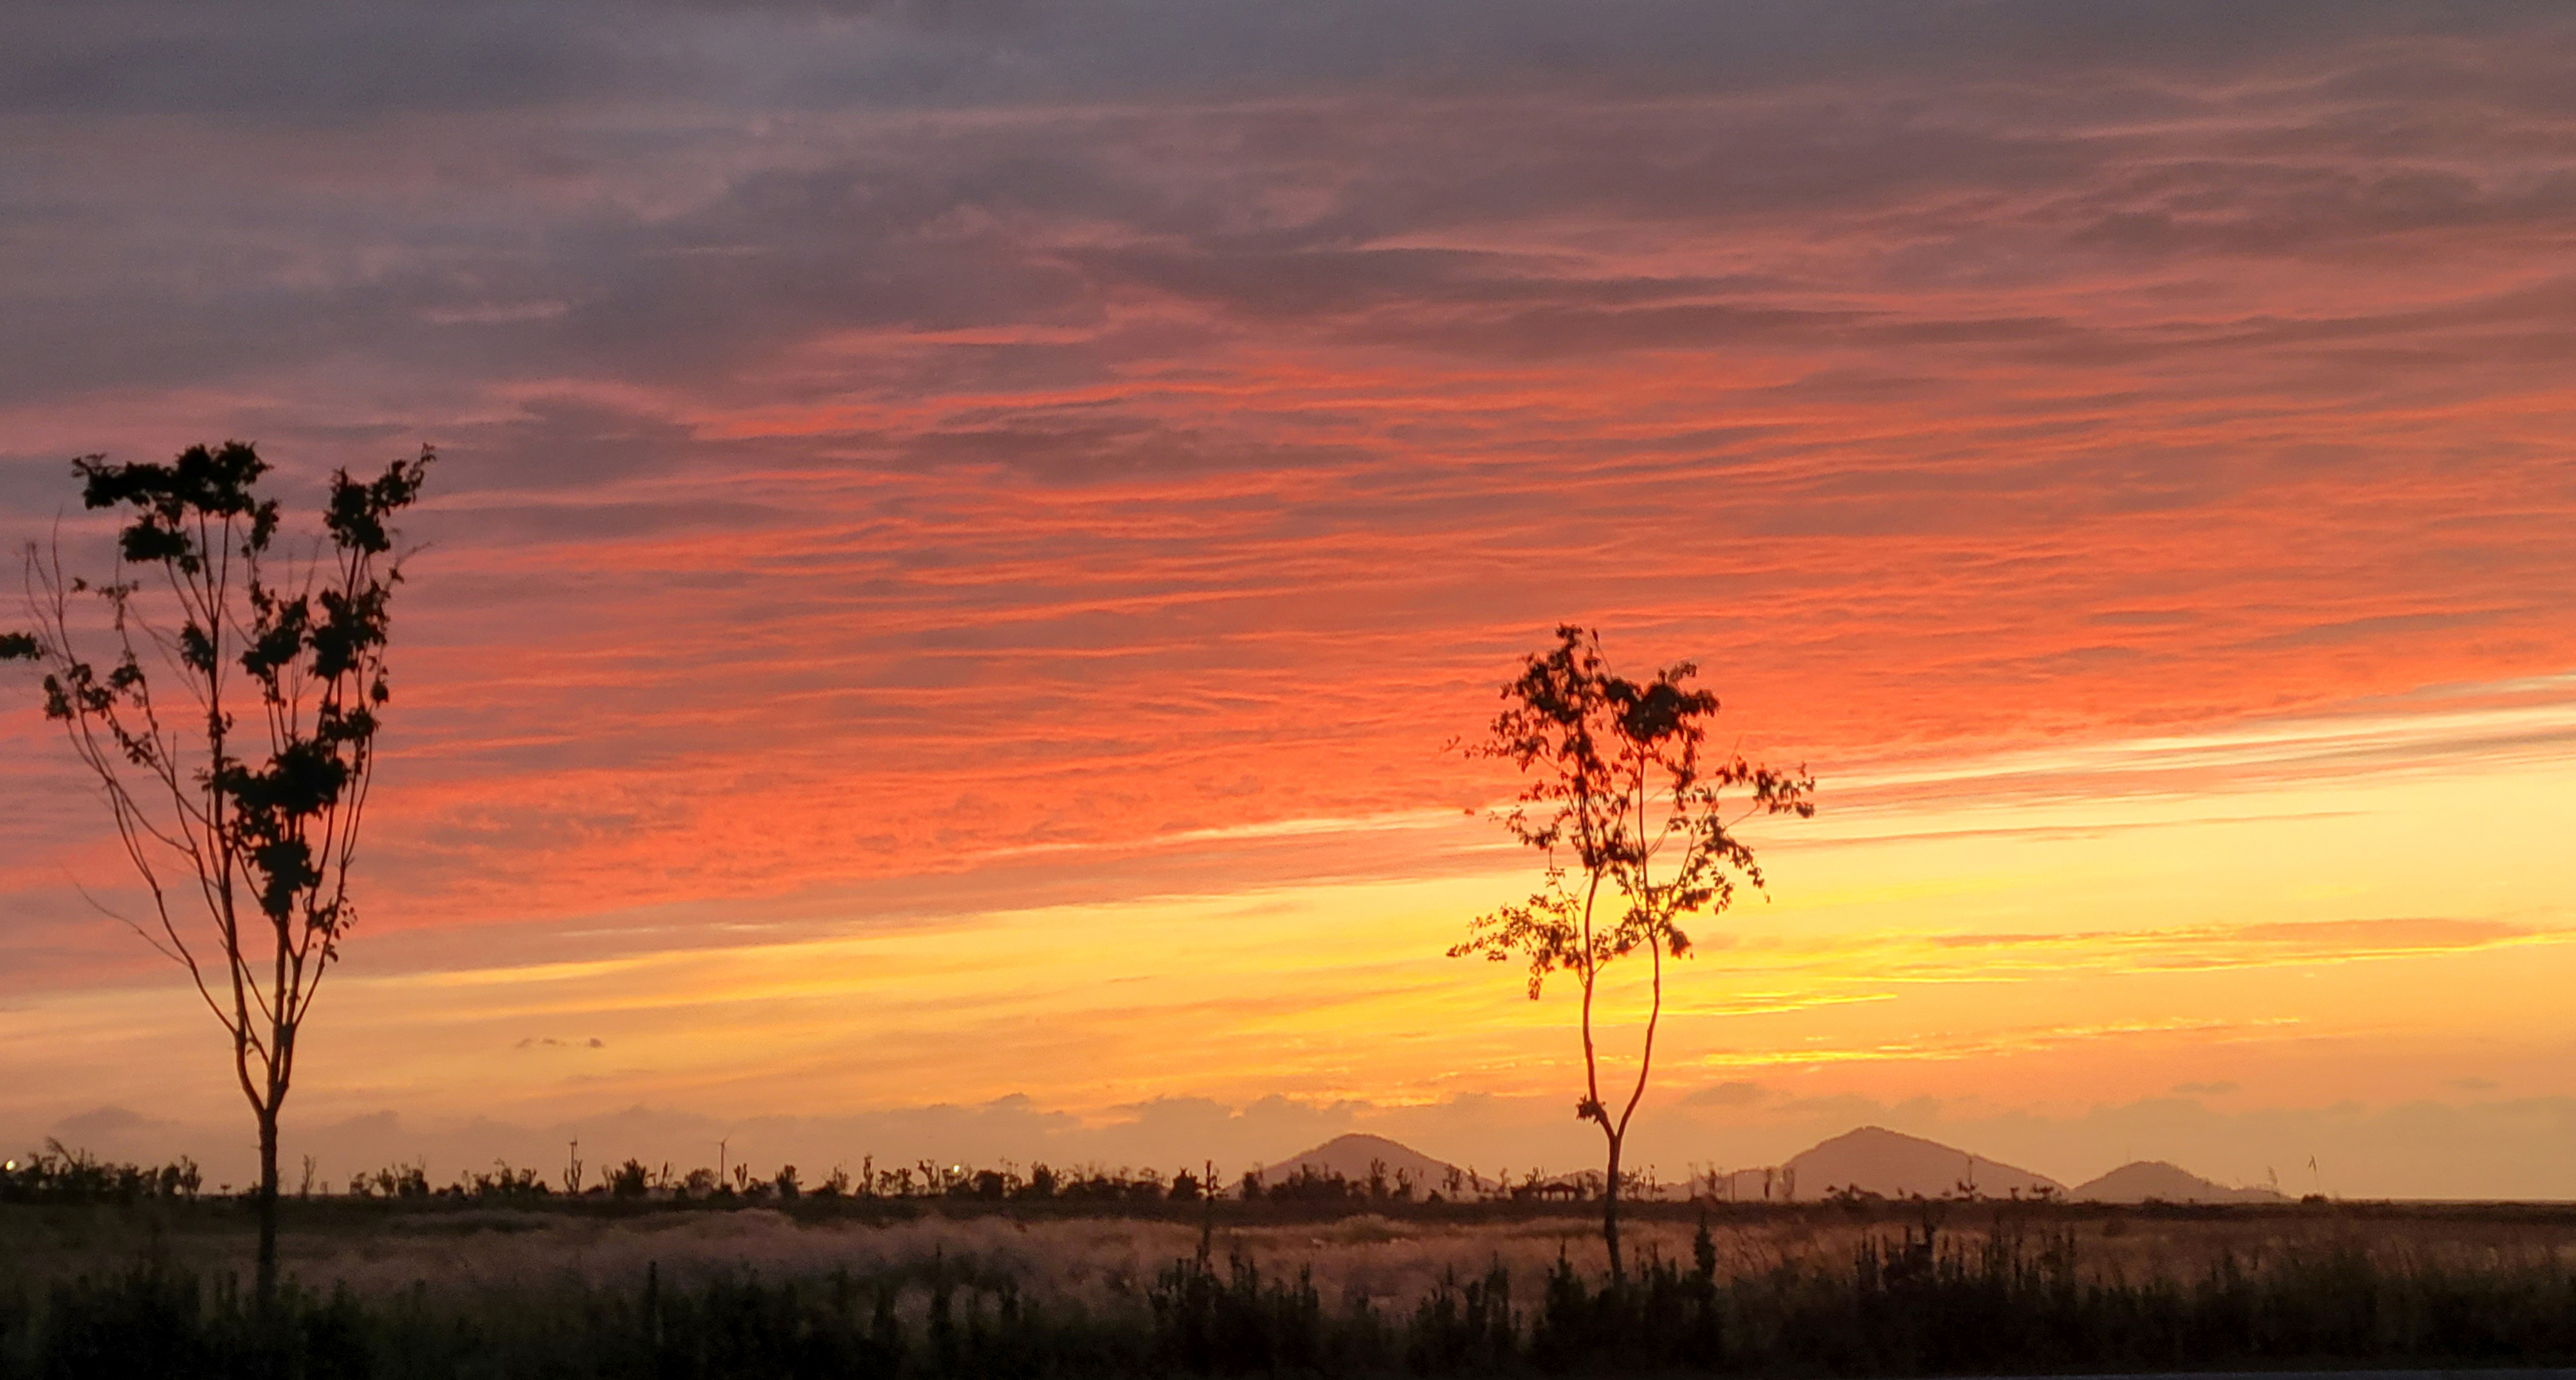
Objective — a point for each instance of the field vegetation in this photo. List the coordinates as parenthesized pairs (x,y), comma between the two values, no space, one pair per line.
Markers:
(107,1272)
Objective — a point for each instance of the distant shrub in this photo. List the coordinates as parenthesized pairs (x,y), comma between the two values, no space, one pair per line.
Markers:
(1307,1185)
(502,1184)
(56,1174)
(628,1180)
(392,1181)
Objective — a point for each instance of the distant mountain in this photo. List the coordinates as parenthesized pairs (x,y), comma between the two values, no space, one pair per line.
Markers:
(2155,1179)
(1350,1156)
(1872,1159)
(1894,1165)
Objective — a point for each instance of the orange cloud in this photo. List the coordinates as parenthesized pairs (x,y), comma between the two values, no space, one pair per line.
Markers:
(873,502)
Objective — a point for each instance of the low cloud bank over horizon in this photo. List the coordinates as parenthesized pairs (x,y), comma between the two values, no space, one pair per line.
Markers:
(2479,1149)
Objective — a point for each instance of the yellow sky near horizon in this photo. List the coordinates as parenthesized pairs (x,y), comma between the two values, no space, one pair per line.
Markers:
(2279,936)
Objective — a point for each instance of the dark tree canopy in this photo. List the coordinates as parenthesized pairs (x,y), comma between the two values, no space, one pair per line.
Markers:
(232,727)
(1631,813)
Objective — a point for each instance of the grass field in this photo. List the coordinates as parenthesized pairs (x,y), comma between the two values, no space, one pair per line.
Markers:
(593,1287)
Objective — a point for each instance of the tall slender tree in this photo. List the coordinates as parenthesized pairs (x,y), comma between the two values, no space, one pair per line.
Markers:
(232,728)
(1636,821)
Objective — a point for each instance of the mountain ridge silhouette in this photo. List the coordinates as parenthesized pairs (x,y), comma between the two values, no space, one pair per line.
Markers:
(2141,1181)
(1352,1155)
(1869,1160)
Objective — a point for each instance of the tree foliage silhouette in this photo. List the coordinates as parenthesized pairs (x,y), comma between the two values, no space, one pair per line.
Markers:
(1631,813)
(232,730)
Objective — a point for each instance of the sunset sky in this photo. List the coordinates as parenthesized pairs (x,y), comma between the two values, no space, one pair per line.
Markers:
(963,530)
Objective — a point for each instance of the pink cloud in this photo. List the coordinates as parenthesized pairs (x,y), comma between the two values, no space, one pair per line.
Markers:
(837,490)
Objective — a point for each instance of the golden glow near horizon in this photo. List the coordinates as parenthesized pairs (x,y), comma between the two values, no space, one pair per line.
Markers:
(2273,936)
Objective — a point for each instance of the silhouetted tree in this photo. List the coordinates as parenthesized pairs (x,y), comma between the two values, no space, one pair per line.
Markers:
(1632,818)
(232,730)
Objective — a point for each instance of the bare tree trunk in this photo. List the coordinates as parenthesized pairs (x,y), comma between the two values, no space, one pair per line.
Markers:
(267,1207)
(1610,1213)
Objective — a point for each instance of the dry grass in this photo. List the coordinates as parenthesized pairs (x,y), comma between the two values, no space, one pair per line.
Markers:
(1390,1259)
(941,1288)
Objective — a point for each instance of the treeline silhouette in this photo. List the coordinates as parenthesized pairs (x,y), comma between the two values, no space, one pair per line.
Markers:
(738,1186)
(1314,1184)
(59,1174)
(1909,1305)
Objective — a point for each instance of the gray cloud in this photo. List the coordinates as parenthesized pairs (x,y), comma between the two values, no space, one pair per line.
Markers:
(472,246)
(1730,1094)
(306,62)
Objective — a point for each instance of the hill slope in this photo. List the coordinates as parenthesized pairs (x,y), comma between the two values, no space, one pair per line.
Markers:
(1894,1165)
(1350,1156)
(2144,1179)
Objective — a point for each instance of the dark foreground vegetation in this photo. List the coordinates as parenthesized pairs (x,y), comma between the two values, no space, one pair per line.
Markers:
(2012,1297)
